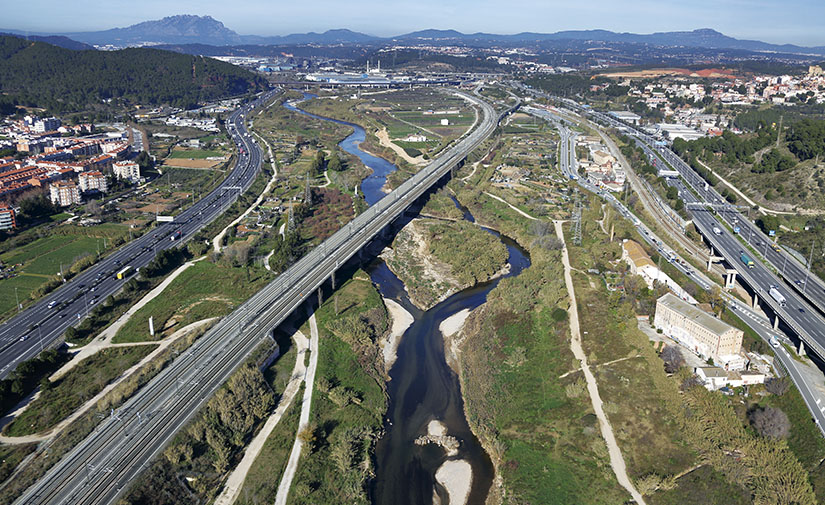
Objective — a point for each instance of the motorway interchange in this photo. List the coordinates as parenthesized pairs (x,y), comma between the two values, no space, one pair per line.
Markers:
(37,327)
(99,468)
(700,199)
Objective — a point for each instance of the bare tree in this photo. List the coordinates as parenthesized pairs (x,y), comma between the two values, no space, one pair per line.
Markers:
(540,228)
(690,382)
(777,386)
(672,356)
(549,242)
(93,208)
(770,422)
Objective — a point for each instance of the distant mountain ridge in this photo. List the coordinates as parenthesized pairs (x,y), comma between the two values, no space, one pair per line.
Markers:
(190,29)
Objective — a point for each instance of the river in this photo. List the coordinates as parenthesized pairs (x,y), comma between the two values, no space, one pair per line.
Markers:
(422,386)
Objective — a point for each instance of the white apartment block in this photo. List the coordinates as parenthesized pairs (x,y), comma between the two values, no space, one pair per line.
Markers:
(93,181)
(64,193)
(128,170)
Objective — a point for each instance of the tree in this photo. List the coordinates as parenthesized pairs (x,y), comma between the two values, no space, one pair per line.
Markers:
(672,356)
(777,386)
(37,206)
(716,300)
(770,422)
(93,208)
(318,163)
(334,162)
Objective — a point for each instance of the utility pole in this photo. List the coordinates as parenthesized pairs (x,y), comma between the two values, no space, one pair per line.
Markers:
(808,272)
(779,131)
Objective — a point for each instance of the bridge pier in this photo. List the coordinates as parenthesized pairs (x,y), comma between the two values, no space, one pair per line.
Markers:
(755,301)
(776,321)
(801,348)
(730,278)
(713,259)
(332,278)
(320,296)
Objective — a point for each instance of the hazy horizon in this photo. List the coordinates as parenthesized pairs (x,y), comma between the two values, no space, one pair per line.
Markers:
(791,22)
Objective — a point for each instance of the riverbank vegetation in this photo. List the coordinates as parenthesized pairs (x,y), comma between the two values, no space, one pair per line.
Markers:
(681,443)
(435,258)
(349,402)
(535,422)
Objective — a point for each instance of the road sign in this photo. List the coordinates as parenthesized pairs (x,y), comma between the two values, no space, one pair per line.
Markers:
(771,233)
(165,219)
(735,229)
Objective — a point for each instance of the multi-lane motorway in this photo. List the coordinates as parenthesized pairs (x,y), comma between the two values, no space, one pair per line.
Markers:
(98,469)
(761,326)
(36,327)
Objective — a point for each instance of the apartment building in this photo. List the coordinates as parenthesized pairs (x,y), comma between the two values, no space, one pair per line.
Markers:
(64,193)
(128,170)
(93,181)
(7,217)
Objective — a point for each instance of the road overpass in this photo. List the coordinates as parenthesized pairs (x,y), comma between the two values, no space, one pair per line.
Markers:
(99,468)
(799,316)
(726,244)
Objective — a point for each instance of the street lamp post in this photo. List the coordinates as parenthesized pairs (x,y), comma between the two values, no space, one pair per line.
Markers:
(808,272)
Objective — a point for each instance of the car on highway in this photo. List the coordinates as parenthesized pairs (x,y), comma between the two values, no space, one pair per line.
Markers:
(52,304)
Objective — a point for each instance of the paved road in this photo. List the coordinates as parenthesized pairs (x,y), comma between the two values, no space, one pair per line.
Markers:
(34,329)
(99,468)
(754,319)
(803,320)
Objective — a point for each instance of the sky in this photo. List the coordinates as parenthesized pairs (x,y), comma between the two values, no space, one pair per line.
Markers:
(800,22)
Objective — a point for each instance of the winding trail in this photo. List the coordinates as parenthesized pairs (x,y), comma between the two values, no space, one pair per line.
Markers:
(309,379)
(502,200)
(616,459)
(161,346)
(216,242)
(234,483)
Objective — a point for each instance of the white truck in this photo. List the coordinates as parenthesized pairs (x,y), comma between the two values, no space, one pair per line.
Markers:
(776,295)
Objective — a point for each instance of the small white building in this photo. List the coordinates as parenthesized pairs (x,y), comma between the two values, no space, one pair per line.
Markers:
(715,378)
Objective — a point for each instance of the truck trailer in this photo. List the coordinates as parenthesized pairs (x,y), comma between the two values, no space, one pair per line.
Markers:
(776,295)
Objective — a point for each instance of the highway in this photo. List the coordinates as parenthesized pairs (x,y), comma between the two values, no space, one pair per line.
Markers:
(795,312)
(704,205)
(746,313)
(38,326)
(793,275)
(99,468)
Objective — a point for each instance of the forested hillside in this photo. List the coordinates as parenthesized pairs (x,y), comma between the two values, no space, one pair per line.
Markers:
(784,174)
(42,75)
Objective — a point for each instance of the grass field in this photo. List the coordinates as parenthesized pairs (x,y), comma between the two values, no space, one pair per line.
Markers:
(68,393)
(25,284)
(197,154)
(68,252)
(202,291)
(41,259)
(261,482)
(350,427)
